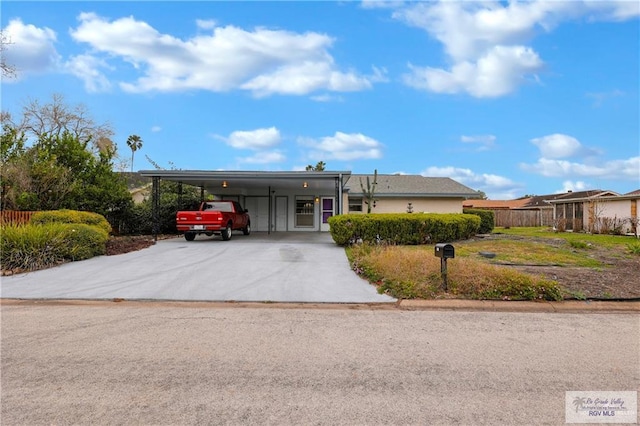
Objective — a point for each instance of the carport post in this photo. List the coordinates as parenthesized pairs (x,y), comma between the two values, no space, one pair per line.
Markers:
(339,187)
(269,216)
(155,206)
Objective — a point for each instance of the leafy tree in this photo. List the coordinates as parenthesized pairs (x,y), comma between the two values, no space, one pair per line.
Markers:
(60,172)
(319,167)
(135,143)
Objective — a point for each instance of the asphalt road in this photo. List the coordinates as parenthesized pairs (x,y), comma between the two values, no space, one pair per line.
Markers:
(105,363)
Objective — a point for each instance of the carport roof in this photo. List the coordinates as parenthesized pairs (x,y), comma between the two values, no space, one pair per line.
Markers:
(212,180)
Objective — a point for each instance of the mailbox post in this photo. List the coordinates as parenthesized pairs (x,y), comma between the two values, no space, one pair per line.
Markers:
(444,251)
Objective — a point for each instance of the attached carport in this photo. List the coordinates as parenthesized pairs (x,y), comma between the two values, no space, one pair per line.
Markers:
(277,201)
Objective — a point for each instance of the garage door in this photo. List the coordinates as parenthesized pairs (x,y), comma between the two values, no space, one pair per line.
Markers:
(259,212)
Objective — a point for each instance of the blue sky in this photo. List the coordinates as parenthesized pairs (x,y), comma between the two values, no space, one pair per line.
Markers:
(508,98)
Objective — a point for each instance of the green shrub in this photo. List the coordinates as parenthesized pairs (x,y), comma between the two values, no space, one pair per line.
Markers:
(71,216)
(31,247)
(402,228)
(83,241)
(41,246)
(487,219)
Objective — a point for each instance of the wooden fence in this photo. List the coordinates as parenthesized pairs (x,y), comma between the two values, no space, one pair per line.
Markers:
(14,217)
(523,218)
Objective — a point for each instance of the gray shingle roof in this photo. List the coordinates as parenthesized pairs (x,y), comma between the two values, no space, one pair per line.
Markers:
(411,185)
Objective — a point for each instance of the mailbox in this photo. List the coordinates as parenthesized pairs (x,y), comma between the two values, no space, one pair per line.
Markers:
(445,251)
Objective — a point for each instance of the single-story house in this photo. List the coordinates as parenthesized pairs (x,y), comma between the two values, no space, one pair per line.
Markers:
(304,200)
(598,211)
(407,193)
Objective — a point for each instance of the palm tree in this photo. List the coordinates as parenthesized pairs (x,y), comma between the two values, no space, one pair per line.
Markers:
(319,167)
(135,143)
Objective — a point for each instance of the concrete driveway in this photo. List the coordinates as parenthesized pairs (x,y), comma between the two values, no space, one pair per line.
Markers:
(280,267)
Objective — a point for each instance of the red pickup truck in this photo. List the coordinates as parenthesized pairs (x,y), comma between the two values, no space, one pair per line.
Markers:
(214,217)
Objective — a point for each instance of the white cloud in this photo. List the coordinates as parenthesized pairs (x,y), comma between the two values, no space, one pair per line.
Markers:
(258,139)
(30,49)
(262,61)
(205,24)
(344,147)
(381,4)
(485,142)
(600,97)
(496,187)
(484,41)
(498,73)
(325,97)
(265,157)
(557,146)
(87,68)
(156,129)
(628,169)
(613,10)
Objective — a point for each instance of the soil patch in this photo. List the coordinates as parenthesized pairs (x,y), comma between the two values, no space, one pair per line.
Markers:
(618,278)
(126,244)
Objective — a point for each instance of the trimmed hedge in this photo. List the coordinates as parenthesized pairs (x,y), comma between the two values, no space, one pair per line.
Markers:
(403,228)
(71,216)
(41,246)
(487,219)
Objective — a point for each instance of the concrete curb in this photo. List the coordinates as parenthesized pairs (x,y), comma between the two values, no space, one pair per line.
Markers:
(582,306)
(578,306)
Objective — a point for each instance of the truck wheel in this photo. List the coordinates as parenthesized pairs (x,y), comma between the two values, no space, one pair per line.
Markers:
(226,233)
(189,236)
(247,229)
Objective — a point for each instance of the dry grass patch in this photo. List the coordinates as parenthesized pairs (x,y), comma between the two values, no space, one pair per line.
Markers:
(414,273)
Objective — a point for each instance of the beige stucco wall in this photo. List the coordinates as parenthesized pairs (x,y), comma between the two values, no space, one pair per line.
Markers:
(420,205)
(624,209)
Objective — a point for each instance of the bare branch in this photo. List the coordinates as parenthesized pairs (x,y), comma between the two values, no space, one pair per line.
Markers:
(57,117)
(8,70)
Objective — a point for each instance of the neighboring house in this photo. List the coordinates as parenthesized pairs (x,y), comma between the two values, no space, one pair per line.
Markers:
(138,185)
(496,204)
(598,211)
(305,200)
(526,211)
(141,194)
(407,193)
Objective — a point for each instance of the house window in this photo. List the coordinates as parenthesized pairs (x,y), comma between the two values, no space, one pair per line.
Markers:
(355,205)
(305,210)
